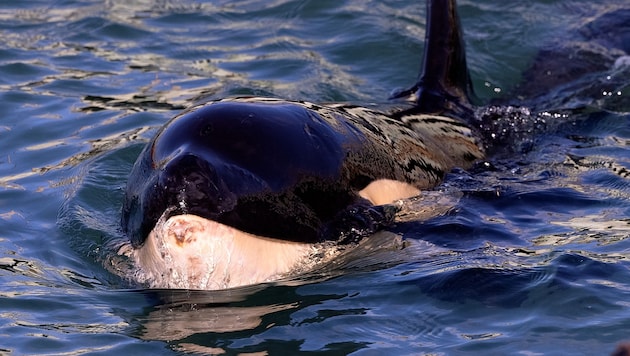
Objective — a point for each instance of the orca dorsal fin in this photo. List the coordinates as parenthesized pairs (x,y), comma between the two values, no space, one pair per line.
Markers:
(444,84)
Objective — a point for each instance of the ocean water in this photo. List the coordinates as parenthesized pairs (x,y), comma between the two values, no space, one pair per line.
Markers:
(527,253)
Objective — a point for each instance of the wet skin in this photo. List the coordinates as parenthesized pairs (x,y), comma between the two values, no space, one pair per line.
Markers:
(293,174)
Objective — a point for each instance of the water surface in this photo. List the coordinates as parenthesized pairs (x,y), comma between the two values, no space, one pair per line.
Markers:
(529,254)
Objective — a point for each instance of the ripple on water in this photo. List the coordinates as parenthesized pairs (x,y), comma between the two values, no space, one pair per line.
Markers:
(530,256)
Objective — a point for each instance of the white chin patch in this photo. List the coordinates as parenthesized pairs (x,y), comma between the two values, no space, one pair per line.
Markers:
(190,252)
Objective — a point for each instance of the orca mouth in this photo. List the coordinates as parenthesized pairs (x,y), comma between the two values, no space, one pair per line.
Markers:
(192,252)
(232,196)
(182,182)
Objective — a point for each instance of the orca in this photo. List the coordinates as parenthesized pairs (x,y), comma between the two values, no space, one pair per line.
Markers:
(239,190)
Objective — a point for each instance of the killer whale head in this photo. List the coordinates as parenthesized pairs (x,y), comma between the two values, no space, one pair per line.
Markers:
(274,169)
(300,172)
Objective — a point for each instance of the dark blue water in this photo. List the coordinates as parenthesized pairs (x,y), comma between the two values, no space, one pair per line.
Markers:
(528,254)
